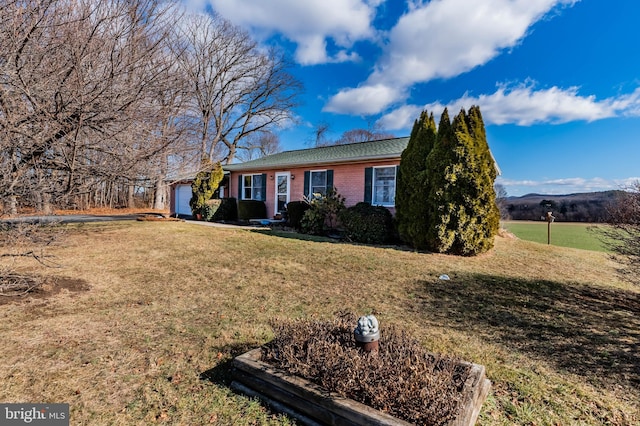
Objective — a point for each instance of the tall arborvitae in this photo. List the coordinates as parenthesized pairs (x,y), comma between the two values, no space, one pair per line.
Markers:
(441,178)
(411,187)
(464,215)
(484,203)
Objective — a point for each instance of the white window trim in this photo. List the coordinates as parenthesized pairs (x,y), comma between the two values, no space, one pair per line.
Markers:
(311,172)
(373,185)
(252,187)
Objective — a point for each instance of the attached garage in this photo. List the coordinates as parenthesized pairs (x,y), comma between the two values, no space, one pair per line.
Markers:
(182,196)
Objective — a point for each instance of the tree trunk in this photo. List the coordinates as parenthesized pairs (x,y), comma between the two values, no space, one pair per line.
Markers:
(131,202)
(45,206)
(160,198)
(12,205)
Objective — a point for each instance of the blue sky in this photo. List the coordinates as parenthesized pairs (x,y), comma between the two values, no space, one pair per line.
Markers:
(557,81)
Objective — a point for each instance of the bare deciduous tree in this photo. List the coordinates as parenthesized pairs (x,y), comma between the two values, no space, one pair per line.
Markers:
(362,135)
(237,88)
(320,136)
(322,129)
(258,145)
(78,103)
(501,200)
(623,237)
(101,100)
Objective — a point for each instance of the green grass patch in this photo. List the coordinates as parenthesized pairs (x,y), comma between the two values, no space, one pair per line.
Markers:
(574,235)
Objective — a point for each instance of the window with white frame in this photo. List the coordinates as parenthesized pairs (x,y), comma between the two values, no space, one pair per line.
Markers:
(318,182)
(384,186)
(252,187)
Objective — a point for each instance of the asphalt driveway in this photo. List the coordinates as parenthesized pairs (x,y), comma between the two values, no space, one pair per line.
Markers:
(74,218)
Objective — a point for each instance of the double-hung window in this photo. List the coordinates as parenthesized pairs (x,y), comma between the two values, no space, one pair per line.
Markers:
(384,186)
(318,182)
(252,187)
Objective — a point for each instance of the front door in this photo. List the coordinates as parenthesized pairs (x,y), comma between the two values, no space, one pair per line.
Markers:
(282,192)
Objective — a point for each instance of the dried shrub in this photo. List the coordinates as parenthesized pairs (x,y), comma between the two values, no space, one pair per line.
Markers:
(24,240)
(402,378)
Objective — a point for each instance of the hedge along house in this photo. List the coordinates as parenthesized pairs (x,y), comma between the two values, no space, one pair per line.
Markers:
(364,171)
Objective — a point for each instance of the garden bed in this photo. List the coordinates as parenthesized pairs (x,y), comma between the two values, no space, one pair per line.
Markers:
(329,381)
(311,404)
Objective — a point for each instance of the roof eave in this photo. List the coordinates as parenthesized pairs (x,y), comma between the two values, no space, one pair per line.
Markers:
(240,167)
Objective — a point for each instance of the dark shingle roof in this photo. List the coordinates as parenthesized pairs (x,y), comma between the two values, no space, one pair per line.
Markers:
(362,151)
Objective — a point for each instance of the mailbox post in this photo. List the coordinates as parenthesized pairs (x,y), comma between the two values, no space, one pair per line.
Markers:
(550,219)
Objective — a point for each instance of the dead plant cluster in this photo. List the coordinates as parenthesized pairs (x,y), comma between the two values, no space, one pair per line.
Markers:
(402,378)
(24,240)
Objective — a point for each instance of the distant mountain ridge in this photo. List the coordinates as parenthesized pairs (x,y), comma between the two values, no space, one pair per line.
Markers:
(597,195)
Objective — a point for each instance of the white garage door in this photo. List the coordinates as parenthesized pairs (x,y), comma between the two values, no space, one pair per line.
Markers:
(183,195)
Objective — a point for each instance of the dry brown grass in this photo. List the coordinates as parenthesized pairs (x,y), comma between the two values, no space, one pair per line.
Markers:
(170,304)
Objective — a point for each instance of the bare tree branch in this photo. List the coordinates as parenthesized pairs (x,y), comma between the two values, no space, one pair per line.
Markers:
(236,88)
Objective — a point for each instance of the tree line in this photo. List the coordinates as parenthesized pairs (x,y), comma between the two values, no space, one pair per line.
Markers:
(588,207)
(101,101)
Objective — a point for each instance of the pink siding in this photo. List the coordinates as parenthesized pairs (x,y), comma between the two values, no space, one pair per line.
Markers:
(348,179)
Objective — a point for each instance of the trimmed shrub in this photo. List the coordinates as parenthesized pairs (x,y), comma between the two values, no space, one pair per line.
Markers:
(322,216)
(313,222)
(210,208)
(364,223)
(227,211)
(251,209)
(295,211)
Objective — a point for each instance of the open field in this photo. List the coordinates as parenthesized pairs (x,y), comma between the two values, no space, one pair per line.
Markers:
(563,234)
(149,314)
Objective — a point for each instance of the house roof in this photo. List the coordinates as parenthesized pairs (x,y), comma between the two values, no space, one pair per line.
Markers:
(335,154)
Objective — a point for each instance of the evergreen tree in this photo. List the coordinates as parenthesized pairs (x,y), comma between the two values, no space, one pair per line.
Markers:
(442,177)
(464,218)
(411,187)
(484,204)
(204,185)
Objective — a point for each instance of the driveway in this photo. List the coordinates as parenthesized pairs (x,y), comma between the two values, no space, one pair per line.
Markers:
(74,218)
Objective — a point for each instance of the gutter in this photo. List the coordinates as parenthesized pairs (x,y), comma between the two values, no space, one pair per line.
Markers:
(239,167)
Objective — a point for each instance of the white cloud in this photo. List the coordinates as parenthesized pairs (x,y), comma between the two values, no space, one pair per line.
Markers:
(564,186)
(523,105)
(402,117)
(445,38)
(308,23)
(364,100)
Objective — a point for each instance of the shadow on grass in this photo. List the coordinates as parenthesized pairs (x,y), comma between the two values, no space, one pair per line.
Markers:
(588,331)
(292,235)
(221,373)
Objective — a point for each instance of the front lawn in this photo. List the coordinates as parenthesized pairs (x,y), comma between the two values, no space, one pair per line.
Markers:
(157,311)
(564,234)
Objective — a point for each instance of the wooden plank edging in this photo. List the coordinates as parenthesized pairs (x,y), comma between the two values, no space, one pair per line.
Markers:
(309,399)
